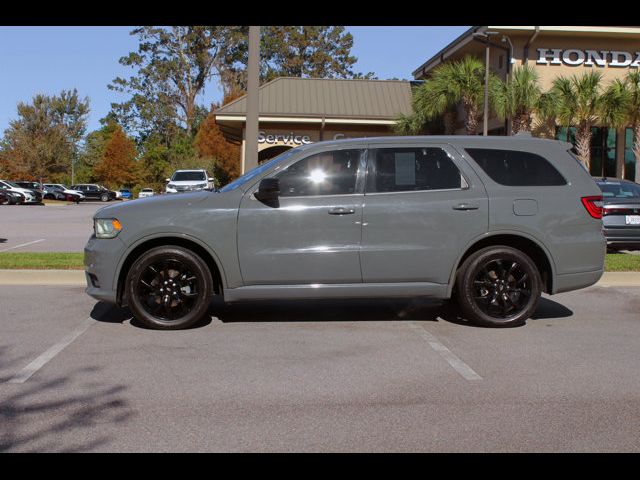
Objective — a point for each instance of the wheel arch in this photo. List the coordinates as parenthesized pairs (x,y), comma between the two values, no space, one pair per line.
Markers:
(523,242)
(190,243)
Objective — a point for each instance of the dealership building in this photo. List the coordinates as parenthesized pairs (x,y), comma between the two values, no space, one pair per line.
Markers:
(298,111)
(553,52)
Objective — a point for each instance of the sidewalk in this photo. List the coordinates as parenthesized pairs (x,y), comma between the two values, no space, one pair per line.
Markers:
(76,277)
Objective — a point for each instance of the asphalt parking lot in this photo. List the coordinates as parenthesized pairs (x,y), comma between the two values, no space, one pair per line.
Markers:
(48,228)
(383,375)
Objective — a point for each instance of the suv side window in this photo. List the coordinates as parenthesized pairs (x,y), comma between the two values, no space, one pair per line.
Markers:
(515,168)
(327,173)
(411,169)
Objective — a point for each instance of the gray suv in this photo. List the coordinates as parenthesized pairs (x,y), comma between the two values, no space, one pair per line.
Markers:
(490,221)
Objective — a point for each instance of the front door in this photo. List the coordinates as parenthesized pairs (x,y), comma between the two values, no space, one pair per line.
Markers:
(423,205)
(313,234)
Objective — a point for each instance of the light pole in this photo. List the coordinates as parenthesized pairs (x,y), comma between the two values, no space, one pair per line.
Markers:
(251,125)
(484,37)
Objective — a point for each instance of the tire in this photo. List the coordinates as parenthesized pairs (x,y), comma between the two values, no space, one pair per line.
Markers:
(498,286)
(161,305)
(104,197)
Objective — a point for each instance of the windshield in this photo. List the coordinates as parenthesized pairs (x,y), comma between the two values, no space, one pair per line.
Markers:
(188,176)
(11,184)
(257,171)
(619,190)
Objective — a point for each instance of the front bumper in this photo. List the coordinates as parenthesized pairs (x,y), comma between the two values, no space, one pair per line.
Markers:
(101,258)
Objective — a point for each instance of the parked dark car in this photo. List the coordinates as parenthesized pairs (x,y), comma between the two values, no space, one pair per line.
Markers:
(11,198)
(621,212)
(35,187)
(489,221)
(92,191)
(58,192)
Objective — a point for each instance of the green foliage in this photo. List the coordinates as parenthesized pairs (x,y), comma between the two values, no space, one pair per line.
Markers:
(42,141)
(518,98)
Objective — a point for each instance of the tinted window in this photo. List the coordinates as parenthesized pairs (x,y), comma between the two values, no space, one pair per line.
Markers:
(188,176)
(327,173)
(411,169)
(619,190)
(515,168)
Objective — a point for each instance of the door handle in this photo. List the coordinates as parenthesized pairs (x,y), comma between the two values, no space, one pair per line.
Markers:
(465,206)
(341,211)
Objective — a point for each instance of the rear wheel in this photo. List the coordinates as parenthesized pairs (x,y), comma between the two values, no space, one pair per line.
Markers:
(104,197)
(498,286)
(169,288)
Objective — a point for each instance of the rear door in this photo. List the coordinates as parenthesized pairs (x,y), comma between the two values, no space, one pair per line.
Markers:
(423,204)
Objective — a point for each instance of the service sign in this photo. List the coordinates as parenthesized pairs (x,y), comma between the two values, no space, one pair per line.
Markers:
(290,138)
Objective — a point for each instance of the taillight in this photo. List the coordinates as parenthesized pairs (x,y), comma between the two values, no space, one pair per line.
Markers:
(593,205)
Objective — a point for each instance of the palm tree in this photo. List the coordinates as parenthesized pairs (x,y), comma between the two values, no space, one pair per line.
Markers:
(632,86)
(545,116)
(518,98)
(460,81)
(579,102)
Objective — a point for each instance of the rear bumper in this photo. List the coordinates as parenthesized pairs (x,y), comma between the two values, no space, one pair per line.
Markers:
(576,281)
(622,235)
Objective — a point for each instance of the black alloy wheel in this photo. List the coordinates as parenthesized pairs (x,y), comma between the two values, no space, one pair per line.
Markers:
(499,287)
(169,288)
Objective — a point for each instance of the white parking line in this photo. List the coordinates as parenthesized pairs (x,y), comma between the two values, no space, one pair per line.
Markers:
(22,245)
(42,360)
(458,365)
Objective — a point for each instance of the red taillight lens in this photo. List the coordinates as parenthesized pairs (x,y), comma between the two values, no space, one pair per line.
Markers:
(593,205)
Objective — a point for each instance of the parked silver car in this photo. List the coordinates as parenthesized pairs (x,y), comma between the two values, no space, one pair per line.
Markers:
(491,221)
(621,212)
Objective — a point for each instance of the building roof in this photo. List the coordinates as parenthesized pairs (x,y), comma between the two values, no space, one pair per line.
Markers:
(466,37)
(328,98)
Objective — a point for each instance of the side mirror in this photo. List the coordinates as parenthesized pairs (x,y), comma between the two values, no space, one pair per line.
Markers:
(268,190)
(167,180)
(210,179)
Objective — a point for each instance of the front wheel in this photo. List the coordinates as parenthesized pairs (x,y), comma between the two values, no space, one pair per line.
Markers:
(169,288)
(104,197)
(498,287)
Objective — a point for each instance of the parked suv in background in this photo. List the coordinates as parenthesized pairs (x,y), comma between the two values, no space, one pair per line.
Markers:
(92,191)
(35,187)
(189,181)
(621,212)
(492,221)
(61,192)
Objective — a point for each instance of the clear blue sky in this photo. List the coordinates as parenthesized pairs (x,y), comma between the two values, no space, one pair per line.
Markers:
(50,59)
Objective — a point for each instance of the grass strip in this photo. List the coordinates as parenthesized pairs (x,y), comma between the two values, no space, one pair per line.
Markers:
(42,260)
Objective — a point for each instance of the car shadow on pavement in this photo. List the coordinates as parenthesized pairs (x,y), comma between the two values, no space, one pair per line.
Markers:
(58,413)
(355,310)
(3,240)
(334,310)
(105,312)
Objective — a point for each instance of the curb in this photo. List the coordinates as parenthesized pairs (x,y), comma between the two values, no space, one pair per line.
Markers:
(77,277)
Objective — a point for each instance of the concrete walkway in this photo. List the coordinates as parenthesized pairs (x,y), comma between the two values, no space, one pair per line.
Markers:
(76,277)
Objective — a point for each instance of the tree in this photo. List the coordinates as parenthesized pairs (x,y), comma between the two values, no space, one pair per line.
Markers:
(292,51)
(579,105)
(518,98)
(631,86)
(42,141)
(117,166)
(544,124)
(224,156)
(173,65)
(451,83)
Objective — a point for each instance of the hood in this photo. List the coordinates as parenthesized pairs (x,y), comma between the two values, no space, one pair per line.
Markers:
(166,205)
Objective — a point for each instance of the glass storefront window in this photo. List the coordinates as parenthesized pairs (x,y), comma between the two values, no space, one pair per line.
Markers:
(629,157)
(603,148)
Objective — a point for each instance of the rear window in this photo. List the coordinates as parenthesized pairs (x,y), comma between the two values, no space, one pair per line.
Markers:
(515,168)
(619,190)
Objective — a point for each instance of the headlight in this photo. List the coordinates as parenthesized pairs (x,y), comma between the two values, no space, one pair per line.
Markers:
(171,185)
(107,227)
